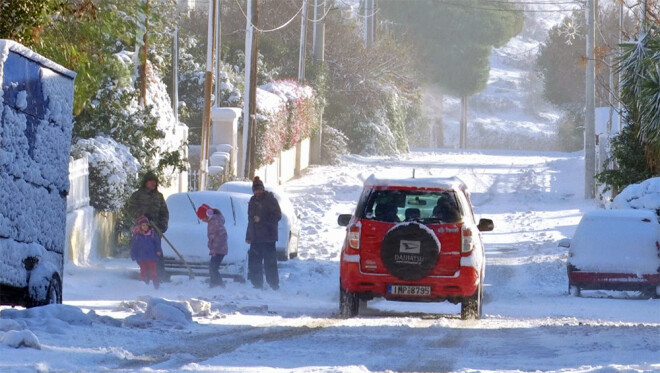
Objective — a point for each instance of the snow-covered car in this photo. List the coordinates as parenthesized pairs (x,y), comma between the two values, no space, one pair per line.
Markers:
(413,240)
(289,226)
(187,234)
(615,250)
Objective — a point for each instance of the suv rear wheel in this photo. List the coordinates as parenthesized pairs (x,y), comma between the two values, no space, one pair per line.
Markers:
(471,306)
(349,303)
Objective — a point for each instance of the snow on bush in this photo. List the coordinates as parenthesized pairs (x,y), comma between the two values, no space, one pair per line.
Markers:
(286,114)
(112,171)
(644,195)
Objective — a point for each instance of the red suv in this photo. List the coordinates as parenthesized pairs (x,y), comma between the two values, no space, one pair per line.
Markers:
(413,240)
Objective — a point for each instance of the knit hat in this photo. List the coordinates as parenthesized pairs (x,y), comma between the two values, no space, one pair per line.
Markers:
(141,219)
(204,211)
(150,175)
(257,183)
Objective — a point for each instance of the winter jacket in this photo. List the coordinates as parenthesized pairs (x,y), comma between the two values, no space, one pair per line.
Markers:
(151,204)
(268,210)
(217,234)
(145,246)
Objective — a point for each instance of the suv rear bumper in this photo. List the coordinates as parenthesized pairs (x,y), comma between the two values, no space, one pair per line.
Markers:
(463,284)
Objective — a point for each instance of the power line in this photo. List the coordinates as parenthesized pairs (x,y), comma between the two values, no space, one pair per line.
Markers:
(494,9)
(271,30)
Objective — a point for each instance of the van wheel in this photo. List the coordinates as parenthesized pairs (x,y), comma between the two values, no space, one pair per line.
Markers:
(349,304)
(54,294)
(471,306)
(409,251)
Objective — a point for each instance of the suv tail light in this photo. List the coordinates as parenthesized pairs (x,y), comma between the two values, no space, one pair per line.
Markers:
(354,236)
(466,240)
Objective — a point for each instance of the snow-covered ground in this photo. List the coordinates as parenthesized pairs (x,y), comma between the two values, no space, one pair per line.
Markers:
(112,321)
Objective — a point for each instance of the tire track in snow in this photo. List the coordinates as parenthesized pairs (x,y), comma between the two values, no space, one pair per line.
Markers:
(194,348)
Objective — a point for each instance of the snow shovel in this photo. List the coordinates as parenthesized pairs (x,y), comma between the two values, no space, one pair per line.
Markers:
(190,272)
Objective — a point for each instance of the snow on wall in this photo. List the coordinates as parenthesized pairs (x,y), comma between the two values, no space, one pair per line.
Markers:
(36,102)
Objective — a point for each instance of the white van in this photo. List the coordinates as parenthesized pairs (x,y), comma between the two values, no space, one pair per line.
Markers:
(36,121)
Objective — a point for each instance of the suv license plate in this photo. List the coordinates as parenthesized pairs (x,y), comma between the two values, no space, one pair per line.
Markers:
(409,290)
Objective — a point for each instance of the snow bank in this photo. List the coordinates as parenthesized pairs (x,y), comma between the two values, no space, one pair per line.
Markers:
(645,195)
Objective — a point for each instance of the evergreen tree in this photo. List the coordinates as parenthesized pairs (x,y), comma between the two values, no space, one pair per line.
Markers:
(454,40)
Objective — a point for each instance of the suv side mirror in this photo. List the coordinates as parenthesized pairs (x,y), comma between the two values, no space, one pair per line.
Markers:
(344,219)
(485,225)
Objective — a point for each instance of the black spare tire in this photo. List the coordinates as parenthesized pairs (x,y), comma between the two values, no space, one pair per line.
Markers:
(409,251)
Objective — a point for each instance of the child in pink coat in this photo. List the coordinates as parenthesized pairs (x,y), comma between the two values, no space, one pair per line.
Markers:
(217,236)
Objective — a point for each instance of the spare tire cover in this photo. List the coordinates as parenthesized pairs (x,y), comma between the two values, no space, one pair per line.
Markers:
(409,251)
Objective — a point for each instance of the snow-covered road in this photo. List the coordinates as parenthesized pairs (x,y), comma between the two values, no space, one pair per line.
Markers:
(530,321)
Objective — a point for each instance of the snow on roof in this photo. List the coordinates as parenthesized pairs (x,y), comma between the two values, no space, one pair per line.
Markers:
(421,182)
(10,45)
(617,241)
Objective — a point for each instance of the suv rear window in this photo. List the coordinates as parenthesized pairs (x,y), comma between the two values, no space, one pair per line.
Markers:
(396,205)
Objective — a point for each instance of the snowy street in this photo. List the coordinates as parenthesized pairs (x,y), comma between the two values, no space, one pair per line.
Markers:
(530,322)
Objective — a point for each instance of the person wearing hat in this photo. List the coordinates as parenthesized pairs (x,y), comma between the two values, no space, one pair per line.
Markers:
(217,237)
(263,216)
(146,249)
(149,202)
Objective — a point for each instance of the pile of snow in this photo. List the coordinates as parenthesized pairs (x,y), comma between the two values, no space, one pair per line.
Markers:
(20,327)
(645,195)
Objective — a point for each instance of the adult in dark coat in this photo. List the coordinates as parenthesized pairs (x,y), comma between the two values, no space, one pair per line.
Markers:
(263,216)
(148,201)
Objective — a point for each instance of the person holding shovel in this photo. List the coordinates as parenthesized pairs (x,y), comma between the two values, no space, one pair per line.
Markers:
(149,202)
(217,236)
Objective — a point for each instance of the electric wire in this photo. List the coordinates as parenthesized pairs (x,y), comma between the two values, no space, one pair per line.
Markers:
(270,30)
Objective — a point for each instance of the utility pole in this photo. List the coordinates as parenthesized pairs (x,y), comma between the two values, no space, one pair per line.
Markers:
(643,18)
(369,23)
(250,95)
(589,126)
(143,57)
(318,44)
(175,74)
(208,87)
(618,78)
(318,47)
(218,49)
(303,41)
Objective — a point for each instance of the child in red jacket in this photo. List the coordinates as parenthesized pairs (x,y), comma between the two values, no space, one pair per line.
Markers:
(145,249)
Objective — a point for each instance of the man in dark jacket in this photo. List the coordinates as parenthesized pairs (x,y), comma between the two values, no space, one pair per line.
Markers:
(263,216)
(148,201)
